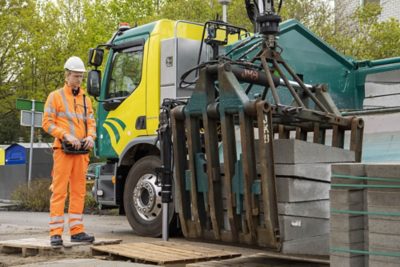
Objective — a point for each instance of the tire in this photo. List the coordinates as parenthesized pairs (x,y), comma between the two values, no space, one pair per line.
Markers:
(142,198)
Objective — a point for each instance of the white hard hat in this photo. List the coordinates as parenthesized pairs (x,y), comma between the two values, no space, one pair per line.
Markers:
(74,64)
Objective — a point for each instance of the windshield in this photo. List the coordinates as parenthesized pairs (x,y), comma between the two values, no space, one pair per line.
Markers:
(126,72)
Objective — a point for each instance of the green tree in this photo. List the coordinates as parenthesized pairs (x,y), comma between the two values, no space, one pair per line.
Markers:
(363,36)
(237,15)
(317,15)
(15,17)
(201,11)
(192,10)
(132,11)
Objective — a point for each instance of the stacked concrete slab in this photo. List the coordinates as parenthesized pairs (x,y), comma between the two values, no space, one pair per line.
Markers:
(380,210)
(382,203)
(303,181)
(347,231)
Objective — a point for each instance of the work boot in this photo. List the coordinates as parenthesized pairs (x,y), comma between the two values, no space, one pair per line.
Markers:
(82,237)
(56,240)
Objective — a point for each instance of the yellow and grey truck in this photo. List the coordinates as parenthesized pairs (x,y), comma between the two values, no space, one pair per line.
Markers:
(146,65)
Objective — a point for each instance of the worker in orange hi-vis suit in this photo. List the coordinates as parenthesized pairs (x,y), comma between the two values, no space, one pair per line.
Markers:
(68,117)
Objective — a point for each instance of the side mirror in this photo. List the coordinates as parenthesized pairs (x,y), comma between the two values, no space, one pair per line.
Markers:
(93,83)
(96,57)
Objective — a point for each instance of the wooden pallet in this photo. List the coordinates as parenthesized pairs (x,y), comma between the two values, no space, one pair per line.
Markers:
(162,253)
(33,246)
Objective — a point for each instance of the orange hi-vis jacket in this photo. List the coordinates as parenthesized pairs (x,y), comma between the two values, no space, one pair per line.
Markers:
(64,113)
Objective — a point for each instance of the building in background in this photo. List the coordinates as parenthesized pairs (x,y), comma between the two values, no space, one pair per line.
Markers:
(390,8)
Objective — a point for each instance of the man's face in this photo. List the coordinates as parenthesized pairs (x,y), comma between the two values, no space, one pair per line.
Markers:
(74,79)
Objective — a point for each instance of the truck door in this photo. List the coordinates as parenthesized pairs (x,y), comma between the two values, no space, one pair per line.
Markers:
(124,98)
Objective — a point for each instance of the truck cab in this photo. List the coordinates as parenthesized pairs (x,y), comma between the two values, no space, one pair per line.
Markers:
(143,67)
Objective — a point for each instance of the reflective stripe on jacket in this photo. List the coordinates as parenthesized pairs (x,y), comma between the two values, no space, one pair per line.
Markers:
(64,113)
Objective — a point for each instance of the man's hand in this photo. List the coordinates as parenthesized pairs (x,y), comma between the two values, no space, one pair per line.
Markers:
(89,143)
(73,141)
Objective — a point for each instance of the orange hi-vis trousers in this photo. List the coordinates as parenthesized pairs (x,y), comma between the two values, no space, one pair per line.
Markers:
(68,169)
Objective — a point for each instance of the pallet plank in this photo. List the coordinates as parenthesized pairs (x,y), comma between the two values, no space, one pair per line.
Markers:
(10,250)
(34,246)
(179,251)
(163,252)
(141,253)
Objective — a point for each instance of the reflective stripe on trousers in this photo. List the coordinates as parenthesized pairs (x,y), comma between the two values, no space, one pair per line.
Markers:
(68,169)
(56,222)
(75,220)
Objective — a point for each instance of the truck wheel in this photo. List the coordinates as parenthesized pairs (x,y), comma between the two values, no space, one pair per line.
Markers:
(142,198)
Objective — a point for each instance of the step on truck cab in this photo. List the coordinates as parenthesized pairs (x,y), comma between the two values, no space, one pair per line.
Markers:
(143,67)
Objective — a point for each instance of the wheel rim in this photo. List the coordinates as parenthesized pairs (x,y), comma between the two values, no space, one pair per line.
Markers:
(147,197)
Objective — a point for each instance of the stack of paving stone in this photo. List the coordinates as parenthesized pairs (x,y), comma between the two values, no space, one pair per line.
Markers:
(365,222)
(303,181)
(382,204)
(347,231)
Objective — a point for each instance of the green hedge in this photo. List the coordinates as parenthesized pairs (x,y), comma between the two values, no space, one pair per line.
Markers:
(37,197)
